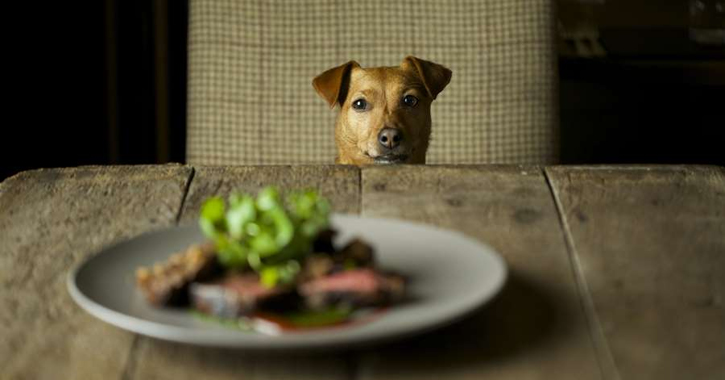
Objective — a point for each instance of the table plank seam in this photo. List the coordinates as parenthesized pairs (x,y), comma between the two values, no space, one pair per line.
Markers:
(129,368)
(187,186)
(605,359)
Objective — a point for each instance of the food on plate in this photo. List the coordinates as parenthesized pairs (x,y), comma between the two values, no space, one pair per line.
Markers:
(167,284)
(271,255)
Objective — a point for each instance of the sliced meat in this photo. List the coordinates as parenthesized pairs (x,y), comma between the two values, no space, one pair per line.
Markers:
(355,254)
(238,294)
(357,287)
(316,266)
(167,284)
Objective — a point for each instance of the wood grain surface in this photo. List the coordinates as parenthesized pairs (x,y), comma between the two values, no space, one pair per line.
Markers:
(155,359)
(340,184)
(650,245)
(536,328)
(616,272)
(50,220)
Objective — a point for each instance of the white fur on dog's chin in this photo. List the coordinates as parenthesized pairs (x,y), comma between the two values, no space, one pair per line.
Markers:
(384,161)
(388,159)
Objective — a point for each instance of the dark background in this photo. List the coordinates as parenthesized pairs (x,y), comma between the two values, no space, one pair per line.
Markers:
(104,82)
(94,82)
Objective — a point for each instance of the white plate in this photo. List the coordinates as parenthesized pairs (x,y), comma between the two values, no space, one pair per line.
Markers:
(450,276)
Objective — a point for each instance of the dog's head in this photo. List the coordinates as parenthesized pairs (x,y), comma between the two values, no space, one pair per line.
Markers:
(384,111)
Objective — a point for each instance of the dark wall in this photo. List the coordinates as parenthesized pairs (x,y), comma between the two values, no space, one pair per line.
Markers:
(648,111)
(95,82)
(658,96)
(55,87)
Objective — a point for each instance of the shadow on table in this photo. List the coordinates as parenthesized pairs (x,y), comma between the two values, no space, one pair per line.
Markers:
(522,317)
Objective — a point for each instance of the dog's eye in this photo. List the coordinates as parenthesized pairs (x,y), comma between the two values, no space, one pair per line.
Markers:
(360,104)
(410,100)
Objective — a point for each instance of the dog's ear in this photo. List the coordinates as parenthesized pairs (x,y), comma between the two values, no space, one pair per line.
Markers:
(435,77)
(332,85)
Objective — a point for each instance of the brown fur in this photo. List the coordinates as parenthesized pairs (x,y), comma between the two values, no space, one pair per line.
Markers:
(383,88)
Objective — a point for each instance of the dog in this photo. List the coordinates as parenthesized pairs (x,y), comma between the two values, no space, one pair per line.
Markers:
(384,113)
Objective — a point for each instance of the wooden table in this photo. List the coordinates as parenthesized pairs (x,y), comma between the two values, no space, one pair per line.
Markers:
(616,272)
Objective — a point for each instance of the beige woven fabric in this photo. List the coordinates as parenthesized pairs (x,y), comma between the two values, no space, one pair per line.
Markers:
(251,64)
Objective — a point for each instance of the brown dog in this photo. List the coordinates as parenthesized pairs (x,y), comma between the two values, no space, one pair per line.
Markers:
(384,111)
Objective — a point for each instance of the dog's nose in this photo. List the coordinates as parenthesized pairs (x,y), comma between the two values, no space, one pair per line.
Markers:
(390,138)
